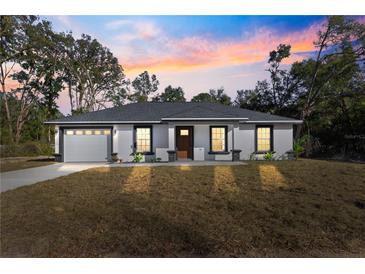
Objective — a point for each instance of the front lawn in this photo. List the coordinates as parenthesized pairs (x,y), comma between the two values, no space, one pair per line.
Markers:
(16,163)
(304,208)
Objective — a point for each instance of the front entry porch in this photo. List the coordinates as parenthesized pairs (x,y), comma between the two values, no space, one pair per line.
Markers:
(199,142)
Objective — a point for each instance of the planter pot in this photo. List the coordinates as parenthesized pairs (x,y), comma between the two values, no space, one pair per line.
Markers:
(236,155)
(172,155)
(57,157)
(114,157)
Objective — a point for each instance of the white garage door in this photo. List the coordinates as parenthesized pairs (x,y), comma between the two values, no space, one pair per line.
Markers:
(87,145)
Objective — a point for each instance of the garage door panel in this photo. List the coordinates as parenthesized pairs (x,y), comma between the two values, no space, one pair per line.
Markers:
(87,148)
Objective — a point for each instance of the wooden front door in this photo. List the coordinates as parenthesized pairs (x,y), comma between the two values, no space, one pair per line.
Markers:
(184,142)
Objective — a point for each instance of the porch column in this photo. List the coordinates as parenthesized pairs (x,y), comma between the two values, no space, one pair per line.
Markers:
(56,140)
(58,134)
(172,146)
(171,133)
(235,152)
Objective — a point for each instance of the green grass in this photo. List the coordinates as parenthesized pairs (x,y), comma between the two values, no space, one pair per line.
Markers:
(17,163)
(302,208)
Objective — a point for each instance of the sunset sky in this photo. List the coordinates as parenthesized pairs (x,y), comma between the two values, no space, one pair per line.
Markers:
(196,52)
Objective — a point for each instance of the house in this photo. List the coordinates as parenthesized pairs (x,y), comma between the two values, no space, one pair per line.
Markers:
(172,131)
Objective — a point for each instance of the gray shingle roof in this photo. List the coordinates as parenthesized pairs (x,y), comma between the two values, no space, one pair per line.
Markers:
(155,112)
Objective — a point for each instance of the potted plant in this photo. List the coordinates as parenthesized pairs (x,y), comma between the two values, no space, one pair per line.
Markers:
(115,157)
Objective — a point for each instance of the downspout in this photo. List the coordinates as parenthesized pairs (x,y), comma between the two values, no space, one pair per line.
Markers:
(232,140)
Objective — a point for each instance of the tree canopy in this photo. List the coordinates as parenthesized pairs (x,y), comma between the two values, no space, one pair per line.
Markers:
(326,90)
(171,95)
(143,86)
(213,96)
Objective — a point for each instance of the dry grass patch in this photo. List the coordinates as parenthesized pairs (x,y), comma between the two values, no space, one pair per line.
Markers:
(278,209)
(17,163)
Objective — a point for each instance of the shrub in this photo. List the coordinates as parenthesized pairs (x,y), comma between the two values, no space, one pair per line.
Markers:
(31,149)
(298,146)
(252,156)
(137,157)
(46,149)
(26,149)
(269,156)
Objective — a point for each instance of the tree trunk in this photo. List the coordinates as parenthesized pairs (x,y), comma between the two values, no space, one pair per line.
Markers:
(70,95)
(49,134)
(7,110)
(4,75)
(299,127)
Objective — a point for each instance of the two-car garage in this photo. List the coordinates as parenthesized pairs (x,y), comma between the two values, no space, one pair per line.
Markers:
(87,144)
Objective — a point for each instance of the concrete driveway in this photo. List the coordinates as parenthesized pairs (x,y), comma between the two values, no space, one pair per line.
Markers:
(17,178)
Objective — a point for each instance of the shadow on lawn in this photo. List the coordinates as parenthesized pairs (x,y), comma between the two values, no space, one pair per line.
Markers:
(258,210)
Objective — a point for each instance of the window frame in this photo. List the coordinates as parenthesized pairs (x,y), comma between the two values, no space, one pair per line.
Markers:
(271,139)
(151,139)
(225,151)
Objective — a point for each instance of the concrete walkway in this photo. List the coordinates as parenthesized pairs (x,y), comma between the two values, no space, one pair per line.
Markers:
(181,163)
(17,178)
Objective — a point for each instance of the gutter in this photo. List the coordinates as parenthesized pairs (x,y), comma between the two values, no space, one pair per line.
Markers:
(100,122)
(202,119)
(274,122)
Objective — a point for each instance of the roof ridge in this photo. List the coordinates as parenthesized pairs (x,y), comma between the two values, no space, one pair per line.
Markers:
(223,112)
(178,112)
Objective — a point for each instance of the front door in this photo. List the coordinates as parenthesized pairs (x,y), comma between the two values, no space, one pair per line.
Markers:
(184,142)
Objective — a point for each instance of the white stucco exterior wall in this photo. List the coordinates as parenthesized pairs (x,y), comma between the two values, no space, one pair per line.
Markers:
(201,140)
(164,137)
(124,144)
(245,140)
(160,136)
(283,139)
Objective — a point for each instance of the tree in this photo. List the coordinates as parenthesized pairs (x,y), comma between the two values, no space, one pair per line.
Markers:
(275,96)
(327,92)
(25,45)
(203,97)
(219,96)
(92,73)
(143,86)
(249,99)
(214,96)
(171,95)
(341,36)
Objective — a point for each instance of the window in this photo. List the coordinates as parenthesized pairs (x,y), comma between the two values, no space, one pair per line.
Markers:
(264,138)
(218,137)
(143,139)
(184,132)
(87,132)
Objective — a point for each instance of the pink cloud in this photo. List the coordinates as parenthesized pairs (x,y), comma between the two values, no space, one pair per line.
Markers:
(190,53)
